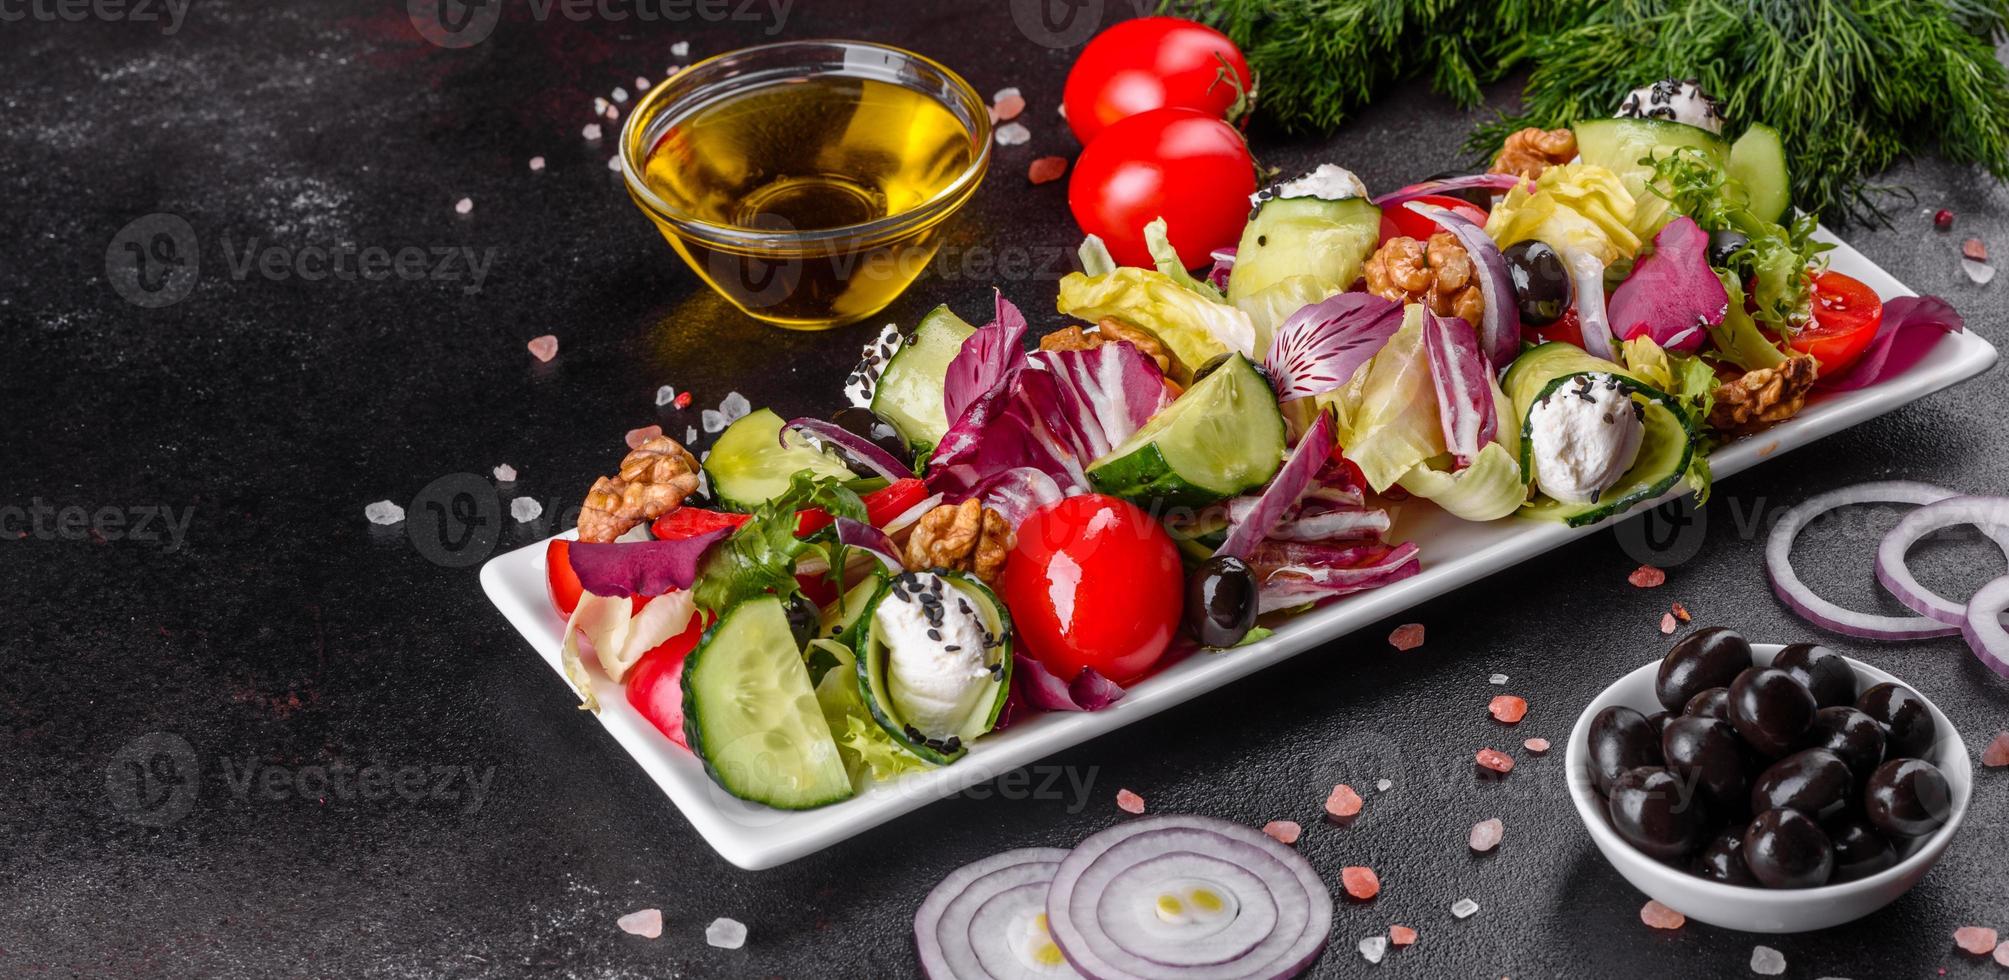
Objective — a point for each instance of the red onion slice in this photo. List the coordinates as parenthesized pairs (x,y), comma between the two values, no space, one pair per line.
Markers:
(1284,490)
(1802,600)
(854,447)
(982,920)
(1990,514)
(1499,327)
(1983,625)
(1043,689)
(1173,856)
(1587,284)
(858,534)
(1498,183)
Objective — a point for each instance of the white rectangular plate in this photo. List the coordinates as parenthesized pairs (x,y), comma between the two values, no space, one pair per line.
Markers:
(1454,554)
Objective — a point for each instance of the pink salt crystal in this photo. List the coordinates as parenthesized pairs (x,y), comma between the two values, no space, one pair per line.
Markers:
(1647,577)
(1486,834)
(1401,936)
(647,923)
(1495,760)
(544,348)
(1008,107)
(1408,636)
(1660,916)
(536,164)
(1978,940)
(1536,745)
(1285,831)
(1667,623)
(2002,954)
(638,436)
(1996,754)
(463,206)
(1344,804)
(1129,802)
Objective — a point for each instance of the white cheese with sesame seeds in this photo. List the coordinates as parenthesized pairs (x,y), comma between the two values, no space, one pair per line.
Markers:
(863,382)
(1329,182)
(935,671)
(1673,100)
(1583,437)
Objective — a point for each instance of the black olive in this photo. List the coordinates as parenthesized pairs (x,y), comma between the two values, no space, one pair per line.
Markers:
(1907,723)
(1478,197)
(1722,244)
(1848,733)
(867,425)
(1541,282)
(1656,812)
(1815,782)
(1221,601)
(1711,703)
(1214,363)
(1826,673)
(803,619)
(1620,739)
(1770,709)
(1907,798)
(1859,850)
(1658,722)
(1722,859)
(1706,658)
(1787,849)
(1705,752)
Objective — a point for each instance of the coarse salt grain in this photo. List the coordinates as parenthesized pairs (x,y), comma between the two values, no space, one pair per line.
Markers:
(1495,760)
(636,437)
(1384,785)
(1507,708)
(1486,834)
(1978,940)
(613,163)
(1668,624)
(690,435)
(544,348)
(1766,961)
(1013,134)
(1647,577)
(1008,92)
(1360,882)
(681,49)
(599,105)
(641,84)
(1464,908)
(1129,802)
(2002,953)
(620,94)
(1996,754)
(536,164)
(726,933)
(612,113)
(1046,170)
(1283,831)
(384,512)
(665,395)
(591,131)
(463,206)
(647,923)
(525,509)
(1980,272)
(1536,745)
(1373,948)
(1974,248)
(1408,636)
(1658,916)
(505,473)
(1007,108)
(1343,804)
(1497,680)
(1401,935)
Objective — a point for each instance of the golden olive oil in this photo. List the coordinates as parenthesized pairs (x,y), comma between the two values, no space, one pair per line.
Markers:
(803,156)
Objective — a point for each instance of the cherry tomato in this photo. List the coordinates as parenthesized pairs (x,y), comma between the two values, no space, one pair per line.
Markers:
(1846,317)
(561,583)
(1565,328)
(1093,582)
(1149,63)
(1398,221)
(689,522)
(1182,165)
(881,505)
(655,685)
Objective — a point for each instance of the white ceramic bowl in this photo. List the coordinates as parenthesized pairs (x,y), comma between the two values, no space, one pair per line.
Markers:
(1752,909)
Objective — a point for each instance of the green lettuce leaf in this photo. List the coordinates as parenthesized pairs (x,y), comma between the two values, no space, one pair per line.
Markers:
(1578,207)
(761,556)
(1692,382)
(1159,242)
(1737,339)
(1193,327)
(869,754)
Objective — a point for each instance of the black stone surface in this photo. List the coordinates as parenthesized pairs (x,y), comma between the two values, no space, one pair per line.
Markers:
(283,633)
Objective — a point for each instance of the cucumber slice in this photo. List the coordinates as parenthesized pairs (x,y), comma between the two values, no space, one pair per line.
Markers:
(844,613)
(752,717)
(1664,452)
(875,684)
(1758,162)
(749,466)
(1304,236)
(1223,436)
(909,393)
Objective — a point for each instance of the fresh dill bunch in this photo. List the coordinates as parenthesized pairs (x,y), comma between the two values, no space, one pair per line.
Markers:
(1852,85)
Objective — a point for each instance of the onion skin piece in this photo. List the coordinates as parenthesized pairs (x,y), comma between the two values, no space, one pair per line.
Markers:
(1983,626)
(1499,327)
(879,461)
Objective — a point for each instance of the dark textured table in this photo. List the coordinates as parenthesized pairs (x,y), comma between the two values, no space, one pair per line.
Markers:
(249,734)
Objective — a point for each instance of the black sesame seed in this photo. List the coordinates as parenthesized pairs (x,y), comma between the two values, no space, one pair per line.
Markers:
(935,635)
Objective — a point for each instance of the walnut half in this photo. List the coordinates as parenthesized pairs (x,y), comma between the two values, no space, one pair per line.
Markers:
(654,480)
(964,537)
(1112,330)
(1759,398)
(1437,274)
(1530,151)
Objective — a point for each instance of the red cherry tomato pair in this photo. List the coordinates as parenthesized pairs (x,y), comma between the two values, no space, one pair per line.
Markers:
(1147,98)
(1093,582)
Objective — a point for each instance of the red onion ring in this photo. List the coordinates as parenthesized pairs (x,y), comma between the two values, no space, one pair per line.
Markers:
(964,928)
(1802,600)
(1983,626)
(1152,853)
(1498,183)
(1499,326)
(854,448)
(1990,514)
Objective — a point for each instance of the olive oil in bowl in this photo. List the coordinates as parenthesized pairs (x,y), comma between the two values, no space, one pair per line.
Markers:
(808,182)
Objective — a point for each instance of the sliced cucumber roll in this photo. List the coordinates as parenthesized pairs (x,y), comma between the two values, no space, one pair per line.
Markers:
(751,715)
(934,661)
(1666,438)
(1223,436)
(1328,240)
(909,392)
(749,466)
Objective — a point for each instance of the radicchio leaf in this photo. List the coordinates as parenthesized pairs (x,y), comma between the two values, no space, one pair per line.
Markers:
(1284,490)
(1103,396)
(1320,346)
(1224,263)
(1462,377)
(1491,182)
(852,446)
(1499,327)
(1002,430)
(644,568)
(1089,691)
(1017,492)
(1672,294)
(1285,586)
(988,357)
(858,534)
(1911,325)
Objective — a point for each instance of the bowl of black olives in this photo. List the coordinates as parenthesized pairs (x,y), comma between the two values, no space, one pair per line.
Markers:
(1767,788)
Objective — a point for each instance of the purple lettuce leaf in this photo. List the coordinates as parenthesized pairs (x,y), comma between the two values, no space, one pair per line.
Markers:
(1672,295)
(1320,346)
(1286,586)
(644,568)
(1911,326)
(1041,688)
(988,358)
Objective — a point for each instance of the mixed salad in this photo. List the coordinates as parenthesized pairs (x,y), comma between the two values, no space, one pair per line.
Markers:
(989,530)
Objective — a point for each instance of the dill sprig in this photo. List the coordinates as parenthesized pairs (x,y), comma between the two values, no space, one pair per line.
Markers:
(1852,85)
